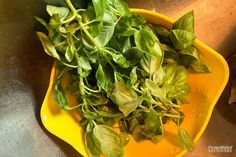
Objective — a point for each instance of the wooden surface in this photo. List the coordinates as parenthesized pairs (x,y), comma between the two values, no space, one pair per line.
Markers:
(24,74)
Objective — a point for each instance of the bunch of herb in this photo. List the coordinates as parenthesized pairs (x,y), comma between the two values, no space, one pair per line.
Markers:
(124,71)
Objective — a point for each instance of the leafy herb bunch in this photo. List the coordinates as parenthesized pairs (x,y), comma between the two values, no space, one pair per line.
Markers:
(124,71)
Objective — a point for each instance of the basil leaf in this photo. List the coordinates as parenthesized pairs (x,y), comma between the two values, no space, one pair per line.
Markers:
(146,40)
(181,75)
(62,12)
(185,139)
(104,80)
(169,71)
(162,31)
(170,55)
(48,46)
(190,51)
(108,115)
(118,7)
(186,22)
(99,6)
(154,55)
(133,76)
(152,122)
(87,42)
(154,89)
(199,67)
(96,27)
(125,98)
(107,30)
(175,91)
(133,55)
(126,45)
(43,22)
(181,39)
(118,58)
(137,20)
(83,63)
(69,53)
(92,149)
(150,63)
(110,143)
(158,76)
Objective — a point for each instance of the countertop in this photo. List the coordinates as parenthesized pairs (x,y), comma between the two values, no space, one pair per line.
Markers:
(25,70)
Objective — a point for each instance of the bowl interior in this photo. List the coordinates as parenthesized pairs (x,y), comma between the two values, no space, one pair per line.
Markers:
(205,91)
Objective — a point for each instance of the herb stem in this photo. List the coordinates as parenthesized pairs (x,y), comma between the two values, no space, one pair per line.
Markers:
(171,115)
(91,90)
(72,8)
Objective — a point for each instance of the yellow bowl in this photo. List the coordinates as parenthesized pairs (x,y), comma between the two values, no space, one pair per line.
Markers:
(205,91)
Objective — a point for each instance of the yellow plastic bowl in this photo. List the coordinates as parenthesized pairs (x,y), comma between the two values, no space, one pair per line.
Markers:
(205,91)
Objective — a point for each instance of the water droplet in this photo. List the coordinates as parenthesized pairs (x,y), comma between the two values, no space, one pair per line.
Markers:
(45,117)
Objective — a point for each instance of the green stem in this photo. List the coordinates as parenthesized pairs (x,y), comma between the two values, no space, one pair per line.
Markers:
(91,90)
(171,115)
(70,5)
(72,8)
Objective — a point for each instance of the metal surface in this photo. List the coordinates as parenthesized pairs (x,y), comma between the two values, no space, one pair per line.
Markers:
(25,69)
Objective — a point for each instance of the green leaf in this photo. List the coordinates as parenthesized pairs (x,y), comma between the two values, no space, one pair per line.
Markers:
(107,30)
(125,138)
(99,6)
(133,55)
(40,21)
(154,55)
(125,98)
(70,52)
(163,34)
(83,63)
(118,58)
(62,12)
(199,67)
(60,96)
(146,40)
(110,142)
(181,75)
(162,31)
(133,76)
(90,15)
(175,91)
(126,45)
(186,22)
(185,140)
(170,55)
(154,89)
(190,51)
(181,39)
(152,122)
(137,20)
(158,76)
(88,44)
(133,123)
(137,133)
(169,71)
(104,80)
(92,149)
(108,114)
(150,63)
(118,7)
(48,46)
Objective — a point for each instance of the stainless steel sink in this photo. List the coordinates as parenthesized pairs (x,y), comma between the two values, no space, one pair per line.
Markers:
(25,69)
